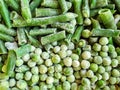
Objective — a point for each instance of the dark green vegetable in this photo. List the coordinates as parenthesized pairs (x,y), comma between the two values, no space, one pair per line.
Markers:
(76,36)
(95,24)
(46,31)
(10,63)
(63,5)
(6,30)
(34,4)
(25,9)
(54,4)
(21,36)
(6,37)
(85,8)
(69,27)
(77,9)
(33,40)
(44,21)
(105,32)
(13,4)
(3,49)
(53,37)
(107,18)
(5,13)
(46,12)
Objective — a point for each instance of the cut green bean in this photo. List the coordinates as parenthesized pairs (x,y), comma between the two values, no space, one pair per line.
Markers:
(54,4)
(46,12)
(105,32)
(44,21)
(13,4)
(77,9)
(66,26)
(76,36)
(21,36)
(34,4)
(107,18)
(53,37)
(45,31)
(63,5)
(23,50)
(10,63)
(33,40)
(3,49)
(6,37)
(6,30)
(5,13)
(25,9)
(85,8)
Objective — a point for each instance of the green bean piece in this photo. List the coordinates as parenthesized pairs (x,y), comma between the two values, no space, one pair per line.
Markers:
(107,18)
(63,5)
(44,21)
(85,8)
(6,37)
(105,32)
(6,30)
(53,37)
(10,63)
(32,40)
(34,4)
(46,12)
(21,36)
(94,12)
(25,9)
(23,50)
(54,4)
(13,4)
(46,31)
(5,13)
(101,3)
(3,49)
(77,9)
(70,28)
(93,3)
(117,4)
(95,23)
(76,36)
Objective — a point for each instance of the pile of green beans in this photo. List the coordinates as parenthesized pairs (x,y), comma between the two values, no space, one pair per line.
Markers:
(59,45)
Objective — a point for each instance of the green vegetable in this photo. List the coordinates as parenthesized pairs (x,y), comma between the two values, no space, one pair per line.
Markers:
(5,13)
(53,37)
(10,63)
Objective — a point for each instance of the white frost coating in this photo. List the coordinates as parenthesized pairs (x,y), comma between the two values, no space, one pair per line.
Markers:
(11,45)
